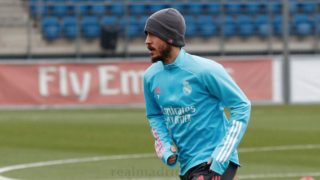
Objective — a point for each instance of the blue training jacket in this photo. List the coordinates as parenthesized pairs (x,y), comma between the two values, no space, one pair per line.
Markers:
(185,104)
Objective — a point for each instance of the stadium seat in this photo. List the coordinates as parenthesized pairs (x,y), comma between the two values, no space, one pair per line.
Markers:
(252,8)
(308,7)
(90,27)
(69,27)
(245,26)
(83,9)
(134,31)
(293,7)
(142,21)
(109,20)
(117,9)
(302,24)
(98,9)
(38,9)
(261,19)
(207,27)
(194,8)
(275,7)
(304,29)
(202,19)
(277,25)
(59,10)
(51,28)
(232,8)
(208,30)
(213,8)
(264,30)
(228,26)
(191,29)
(263,26)
(137,9)
(131,25)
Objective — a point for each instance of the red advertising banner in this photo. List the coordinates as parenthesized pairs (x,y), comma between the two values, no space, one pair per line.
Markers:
(253,76)
(109,83)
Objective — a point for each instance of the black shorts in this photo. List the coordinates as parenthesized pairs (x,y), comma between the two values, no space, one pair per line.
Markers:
(202,171)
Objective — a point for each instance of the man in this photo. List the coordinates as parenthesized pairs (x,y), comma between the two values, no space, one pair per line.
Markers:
(185,99)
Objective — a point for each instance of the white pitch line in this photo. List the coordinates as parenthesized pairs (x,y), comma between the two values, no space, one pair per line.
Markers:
(280,148)
(148,155)
(72,161)
(279,175)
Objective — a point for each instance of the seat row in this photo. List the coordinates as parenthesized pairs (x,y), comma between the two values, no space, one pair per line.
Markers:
(89,27)
(72,7)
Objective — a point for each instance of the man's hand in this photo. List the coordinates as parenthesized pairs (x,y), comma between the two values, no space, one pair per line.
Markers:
(215,175)
(172,159)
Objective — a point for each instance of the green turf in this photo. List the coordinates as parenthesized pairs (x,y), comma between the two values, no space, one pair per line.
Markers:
(28,136)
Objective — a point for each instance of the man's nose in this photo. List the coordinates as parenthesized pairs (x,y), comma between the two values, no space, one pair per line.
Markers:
(148,40)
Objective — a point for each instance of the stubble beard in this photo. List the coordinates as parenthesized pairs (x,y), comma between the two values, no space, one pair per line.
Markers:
(164,54)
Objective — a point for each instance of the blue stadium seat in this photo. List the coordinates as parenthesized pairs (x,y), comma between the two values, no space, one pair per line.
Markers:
(142,21)
(98,9)
(117,9)
(209,30)
(83,9)
(203,19)
(252,8)
(275,8)
(207,27)
(245,26)
(302,24)
(137,9)
(308,7)
(134,31)
(109,20)
(262,26)
(132,27)
(261,19)
(69,27)
(300,18)
(191,29)
(293,7)
(51,28)
(90,27)
(38,9)
(317,23)
(213,8)
(232,8)
(228,26)
(303,30)
(59,10)
(194,8)
(277,25)
(264,30)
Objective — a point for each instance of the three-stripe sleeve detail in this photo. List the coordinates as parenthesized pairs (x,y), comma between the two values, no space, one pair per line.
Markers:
(230,142)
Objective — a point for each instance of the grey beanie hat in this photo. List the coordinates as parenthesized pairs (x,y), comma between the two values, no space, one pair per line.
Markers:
(167,24)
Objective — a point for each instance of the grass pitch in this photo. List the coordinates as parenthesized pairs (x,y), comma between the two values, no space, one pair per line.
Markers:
(282,142)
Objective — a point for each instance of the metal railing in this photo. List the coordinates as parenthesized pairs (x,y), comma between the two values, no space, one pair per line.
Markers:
(25,38)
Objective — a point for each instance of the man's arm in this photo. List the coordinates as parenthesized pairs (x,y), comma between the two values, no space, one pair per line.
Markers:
(222,86)
(163,140)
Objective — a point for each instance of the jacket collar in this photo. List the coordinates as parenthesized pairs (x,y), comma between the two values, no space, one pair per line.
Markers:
(177,61)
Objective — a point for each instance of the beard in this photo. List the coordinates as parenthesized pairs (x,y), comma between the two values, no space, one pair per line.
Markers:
(164,53)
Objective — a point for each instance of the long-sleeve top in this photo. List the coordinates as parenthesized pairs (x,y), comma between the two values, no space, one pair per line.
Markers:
(185,103)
